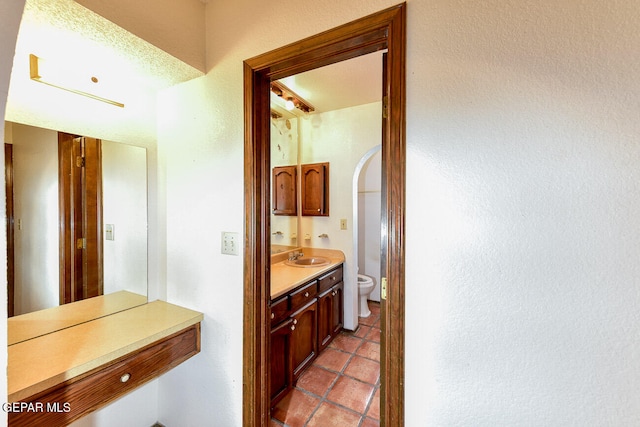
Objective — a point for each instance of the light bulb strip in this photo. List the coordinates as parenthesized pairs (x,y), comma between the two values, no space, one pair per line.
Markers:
(34,74)
(285,93)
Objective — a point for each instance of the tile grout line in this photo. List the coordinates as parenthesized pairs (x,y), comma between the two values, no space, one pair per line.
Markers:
(333,383)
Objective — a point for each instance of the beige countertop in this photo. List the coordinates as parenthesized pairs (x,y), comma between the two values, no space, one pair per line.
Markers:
(42,362)
(285,277)
(42,322)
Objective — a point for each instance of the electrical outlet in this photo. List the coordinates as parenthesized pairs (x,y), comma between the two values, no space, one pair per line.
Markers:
(230,243)
(343,224)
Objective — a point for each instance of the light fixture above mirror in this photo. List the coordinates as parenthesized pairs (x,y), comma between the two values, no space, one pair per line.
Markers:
(53,74)
(290,98)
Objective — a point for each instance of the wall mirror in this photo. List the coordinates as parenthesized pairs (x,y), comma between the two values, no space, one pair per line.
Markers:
(344,124)
(285,145)
(36,217)
(35,258)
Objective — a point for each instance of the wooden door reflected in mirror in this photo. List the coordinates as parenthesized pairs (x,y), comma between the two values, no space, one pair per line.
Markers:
(80,204)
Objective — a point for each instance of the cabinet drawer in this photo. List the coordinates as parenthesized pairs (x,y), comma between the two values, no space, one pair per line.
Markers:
(279,309)
(304,295)
(328,280)
(79,396)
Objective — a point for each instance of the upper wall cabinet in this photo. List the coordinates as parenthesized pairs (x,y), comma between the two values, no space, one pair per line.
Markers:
(284,190)
(315,189)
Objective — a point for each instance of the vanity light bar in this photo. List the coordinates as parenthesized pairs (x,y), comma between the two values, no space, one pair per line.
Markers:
(59,79)
(288,95)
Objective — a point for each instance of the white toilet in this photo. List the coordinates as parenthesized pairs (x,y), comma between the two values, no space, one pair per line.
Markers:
(365,286)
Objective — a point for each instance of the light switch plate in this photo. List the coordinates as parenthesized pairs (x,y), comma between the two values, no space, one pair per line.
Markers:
(230,243)
(109,230)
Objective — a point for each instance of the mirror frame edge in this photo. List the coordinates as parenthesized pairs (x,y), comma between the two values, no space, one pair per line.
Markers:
(385,29)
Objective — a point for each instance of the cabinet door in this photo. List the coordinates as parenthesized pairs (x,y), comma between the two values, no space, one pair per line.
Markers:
(304,338)
(281,368)
(337,307)
(330,315)
(284,191)
(315,189)
(325,319)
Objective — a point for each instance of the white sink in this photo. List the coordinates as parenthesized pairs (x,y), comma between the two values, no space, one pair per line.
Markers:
(312,261)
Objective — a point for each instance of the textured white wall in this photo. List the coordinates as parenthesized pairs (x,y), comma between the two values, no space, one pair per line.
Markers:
(523,211)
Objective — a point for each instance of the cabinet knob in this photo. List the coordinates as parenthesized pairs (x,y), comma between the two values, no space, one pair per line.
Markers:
(273,315)
(306,294)
(293,327)
(333,293)
(125,378)
(318,210)
(295,321)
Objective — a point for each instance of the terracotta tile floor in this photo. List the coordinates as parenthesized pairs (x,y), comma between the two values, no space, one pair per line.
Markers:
(342,387)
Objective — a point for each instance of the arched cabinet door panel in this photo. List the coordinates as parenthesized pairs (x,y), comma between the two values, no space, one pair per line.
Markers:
(315,189)
(284,191)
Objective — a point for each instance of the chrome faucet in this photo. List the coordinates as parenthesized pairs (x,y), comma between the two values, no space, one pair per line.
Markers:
(295,255)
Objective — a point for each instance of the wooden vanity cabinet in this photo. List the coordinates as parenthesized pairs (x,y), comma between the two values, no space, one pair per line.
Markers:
(315,189)
(284,182)
(302,323)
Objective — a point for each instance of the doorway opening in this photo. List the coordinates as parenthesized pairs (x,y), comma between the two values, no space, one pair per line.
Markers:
(381,31)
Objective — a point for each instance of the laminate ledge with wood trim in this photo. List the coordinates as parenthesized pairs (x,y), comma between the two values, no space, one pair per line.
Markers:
(31,325)
(40,364)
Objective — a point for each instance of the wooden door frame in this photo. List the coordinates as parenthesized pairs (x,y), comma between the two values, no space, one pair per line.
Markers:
(380,31)
(80,218)
(10,228)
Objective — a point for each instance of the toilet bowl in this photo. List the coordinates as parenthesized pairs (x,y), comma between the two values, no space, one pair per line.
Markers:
(365,286)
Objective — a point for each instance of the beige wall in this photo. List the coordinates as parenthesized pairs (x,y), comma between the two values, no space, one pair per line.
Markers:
(177,27)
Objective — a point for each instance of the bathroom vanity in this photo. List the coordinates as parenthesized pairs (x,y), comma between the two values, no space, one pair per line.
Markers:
(307,306)
(56,378)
